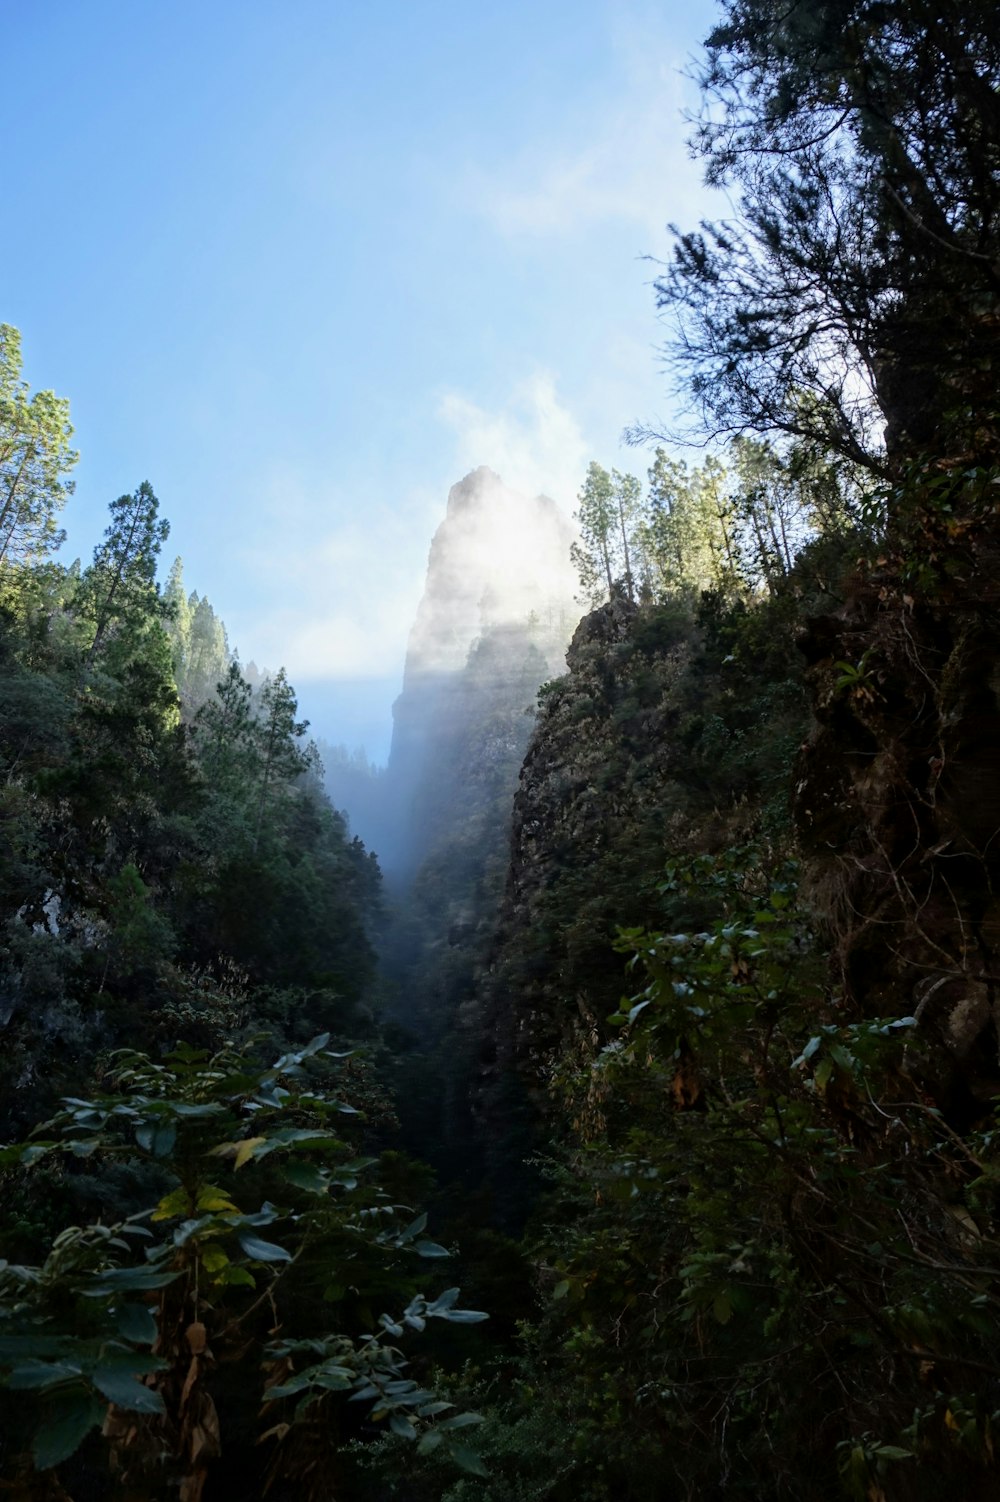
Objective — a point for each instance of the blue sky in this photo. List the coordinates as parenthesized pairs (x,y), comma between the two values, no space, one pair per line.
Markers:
(304,265)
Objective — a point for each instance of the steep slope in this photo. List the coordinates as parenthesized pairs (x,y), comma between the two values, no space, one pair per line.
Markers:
(670,735)
(491,627)
(498,569)
(897,798)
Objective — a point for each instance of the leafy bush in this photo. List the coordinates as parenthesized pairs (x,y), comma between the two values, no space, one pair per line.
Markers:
(123,1327)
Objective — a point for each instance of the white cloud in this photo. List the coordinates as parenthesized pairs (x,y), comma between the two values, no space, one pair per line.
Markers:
(532,441)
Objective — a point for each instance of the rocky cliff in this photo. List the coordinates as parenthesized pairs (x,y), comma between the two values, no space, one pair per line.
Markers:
(499,571)
(493,624)
(670,736)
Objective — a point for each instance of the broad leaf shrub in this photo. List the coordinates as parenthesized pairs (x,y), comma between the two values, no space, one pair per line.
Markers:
(769,1265)
(270,1226)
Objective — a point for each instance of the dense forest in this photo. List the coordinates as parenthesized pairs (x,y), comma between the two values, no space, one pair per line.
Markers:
(673,1020)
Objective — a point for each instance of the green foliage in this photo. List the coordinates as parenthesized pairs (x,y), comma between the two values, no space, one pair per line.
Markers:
(858,143)
(94,1324)
(35,457)
(119,590)
(141,935)
(687,533)
(760,1241)
(281,759)
(738,526)
(596,554)
(674,737)
(185,888)
(142,866)
(199,647)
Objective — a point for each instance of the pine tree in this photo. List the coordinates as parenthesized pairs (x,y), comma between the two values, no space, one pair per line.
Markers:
(626,491)
(596,520)
(209,652)
(860,285)
(35,458)
(120,585)
(178,621)
(282,760)
(608,517)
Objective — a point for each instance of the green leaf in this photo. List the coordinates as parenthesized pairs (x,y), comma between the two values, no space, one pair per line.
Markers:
(414,1228)
(461,1421)
(40,1374)
(156,1137)
(468,1460)
(364,1393)
(235,1275)
(136,1323)
(401,1425)
(213,1258)
(84,1147)
(306,1176)
(262,1251)
(446,1300)
(188,1229)
(293,1137)
(431,1249)
(429,1442)
(34,1152)
(822,1074)
(290,1388)
(118,1380)
(215,1201)
(128,1279)
(12,1346)
(67,1420)
(807,1052)
(171,1205)
(262,1217)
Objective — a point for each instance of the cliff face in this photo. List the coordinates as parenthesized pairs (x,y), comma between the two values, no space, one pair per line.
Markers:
(874,732)
(669,737)
(898,808)
(498,558)
(499,572)
(584,822)
(492,626)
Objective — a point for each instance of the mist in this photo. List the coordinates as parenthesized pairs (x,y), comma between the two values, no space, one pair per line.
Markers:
(493,622)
